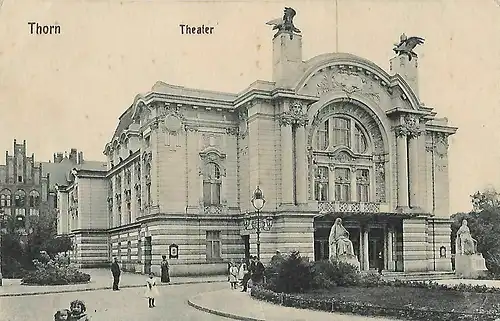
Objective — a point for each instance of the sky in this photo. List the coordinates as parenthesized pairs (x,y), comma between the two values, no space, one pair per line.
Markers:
(67,91)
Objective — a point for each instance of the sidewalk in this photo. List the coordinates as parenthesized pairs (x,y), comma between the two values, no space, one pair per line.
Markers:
(101,279)
(241,306)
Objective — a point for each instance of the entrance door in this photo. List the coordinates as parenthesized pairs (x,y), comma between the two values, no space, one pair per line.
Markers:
(246,242)
(147,254)
(375,245)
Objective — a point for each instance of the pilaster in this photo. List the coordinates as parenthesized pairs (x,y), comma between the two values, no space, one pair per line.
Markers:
(301,166)
(402,160)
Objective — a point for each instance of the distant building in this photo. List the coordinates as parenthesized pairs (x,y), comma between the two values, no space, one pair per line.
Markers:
(332,136)
(24,189)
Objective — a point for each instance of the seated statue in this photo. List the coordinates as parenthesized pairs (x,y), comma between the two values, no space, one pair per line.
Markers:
(464,243)
(340,245)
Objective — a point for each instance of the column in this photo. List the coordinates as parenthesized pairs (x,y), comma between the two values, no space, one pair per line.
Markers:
(286,164)
(361,249)
(413,166)
(133,194)
(402,170)
(354,195)
(390,259)
(366,262)
(124,202)
(331,184)
(115,203)
(301,166)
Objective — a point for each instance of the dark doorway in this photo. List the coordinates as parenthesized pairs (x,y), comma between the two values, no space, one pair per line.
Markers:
(375,245)
(321,247)
(246,242)
(147,254)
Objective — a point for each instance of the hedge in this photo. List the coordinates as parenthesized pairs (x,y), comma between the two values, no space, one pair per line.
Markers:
(368,309)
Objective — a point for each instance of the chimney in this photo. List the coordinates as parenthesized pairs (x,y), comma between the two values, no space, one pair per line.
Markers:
(58,157)
(73,155)
(80,157)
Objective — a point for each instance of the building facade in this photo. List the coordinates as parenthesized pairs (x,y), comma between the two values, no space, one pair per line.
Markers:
(332,136)
(24,189)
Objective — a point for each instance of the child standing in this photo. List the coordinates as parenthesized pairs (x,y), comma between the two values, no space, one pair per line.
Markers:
(233,275)
(151,290)
(62,315)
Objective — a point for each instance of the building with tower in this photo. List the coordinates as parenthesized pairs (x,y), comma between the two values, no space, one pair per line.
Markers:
(332,136)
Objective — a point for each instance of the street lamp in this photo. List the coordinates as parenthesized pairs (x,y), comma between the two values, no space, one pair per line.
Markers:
(258,202)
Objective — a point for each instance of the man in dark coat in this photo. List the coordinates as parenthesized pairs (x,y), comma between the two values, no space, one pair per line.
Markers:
(115,270)
(247,276)
(258,274)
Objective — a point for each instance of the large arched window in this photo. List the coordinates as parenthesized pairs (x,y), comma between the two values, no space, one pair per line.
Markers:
(34,200)
(20,198)
(341,132)
(212,182)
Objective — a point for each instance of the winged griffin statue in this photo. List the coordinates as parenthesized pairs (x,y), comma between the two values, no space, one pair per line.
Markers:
(285,23)
(406,46)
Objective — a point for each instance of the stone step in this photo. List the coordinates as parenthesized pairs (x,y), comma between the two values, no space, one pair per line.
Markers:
(419,276)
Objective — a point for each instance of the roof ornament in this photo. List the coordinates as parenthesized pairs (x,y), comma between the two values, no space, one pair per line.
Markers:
(406,46)
(285,24)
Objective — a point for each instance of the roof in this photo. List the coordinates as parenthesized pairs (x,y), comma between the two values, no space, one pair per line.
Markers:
(125,121)
(60,173)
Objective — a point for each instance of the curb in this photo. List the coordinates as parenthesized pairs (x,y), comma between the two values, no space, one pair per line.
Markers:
(220,313)
(102,288)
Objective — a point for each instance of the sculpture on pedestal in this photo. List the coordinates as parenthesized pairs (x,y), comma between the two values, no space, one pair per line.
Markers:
(468,262)
(341,248)
(285,23)
(406,46)
(464,243)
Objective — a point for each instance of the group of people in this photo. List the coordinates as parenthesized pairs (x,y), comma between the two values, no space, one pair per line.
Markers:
(246,273)
(77,312)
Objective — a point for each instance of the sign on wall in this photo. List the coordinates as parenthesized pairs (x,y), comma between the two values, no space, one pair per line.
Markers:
(173,251)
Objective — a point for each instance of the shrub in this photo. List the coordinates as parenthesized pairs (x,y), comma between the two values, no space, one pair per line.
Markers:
(290,275)
(54,273)
(343,274)
(371,279)
(322,276)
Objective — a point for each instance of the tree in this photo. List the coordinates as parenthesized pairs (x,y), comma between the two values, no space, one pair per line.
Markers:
(484,224)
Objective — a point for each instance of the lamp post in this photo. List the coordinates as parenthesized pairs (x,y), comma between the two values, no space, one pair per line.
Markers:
(258,202)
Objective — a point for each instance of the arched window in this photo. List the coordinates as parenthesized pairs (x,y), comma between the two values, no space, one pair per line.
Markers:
(341,132)
(360,143)
(34,200)
(363,185)
(20,198)
(212,185)
(321,184)
(5,198)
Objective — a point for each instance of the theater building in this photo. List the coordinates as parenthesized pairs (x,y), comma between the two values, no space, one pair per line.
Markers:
(331,136)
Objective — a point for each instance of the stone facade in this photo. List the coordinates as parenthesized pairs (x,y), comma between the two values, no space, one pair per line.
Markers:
(333,136)
(24,188)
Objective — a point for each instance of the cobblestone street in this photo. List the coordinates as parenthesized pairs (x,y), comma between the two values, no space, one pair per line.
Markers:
(106,305)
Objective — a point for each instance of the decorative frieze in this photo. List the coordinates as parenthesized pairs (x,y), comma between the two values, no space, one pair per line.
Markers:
(348,79)
(380,186)
(441,144)
(410,127)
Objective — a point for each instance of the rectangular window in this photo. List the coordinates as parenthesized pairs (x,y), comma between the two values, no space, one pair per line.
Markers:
(20,179)
(323,136)
(342,185)
(321,184)
(341,132)
(211,193)
(363,185)
(213,245)
(148,141)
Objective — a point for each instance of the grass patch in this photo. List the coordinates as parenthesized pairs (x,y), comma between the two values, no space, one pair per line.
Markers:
(417,298)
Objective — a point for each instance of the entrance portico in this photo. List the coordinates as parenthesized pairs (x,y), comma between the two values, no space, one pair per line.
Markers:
(370,234)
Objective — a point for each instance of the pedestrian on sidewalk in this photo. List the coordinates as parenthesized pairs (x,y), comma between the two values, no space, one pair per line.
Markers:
(248,276)
(151,290)
(115,271)
(165,273)
(233,275)
(78,311)
(243,269)
(258,273)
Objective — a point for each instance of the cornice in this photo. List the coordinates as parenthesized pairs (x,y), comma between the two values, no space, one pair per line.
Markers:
(125,163)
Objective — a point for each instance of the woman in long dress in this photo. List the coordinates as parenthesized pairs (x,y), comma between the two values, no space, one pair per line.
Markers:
(165,273)
(151,290)
(233,275)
